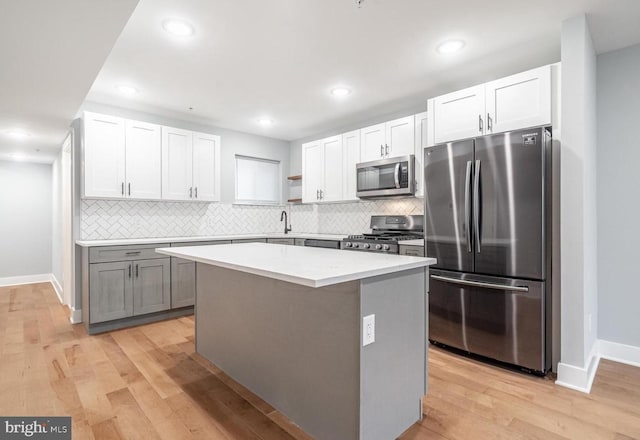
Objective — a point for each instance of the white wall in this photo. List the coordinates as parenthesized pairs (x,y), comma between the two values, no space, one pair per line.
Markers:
(56,215)
(25,223)
(578,205)
(618,190)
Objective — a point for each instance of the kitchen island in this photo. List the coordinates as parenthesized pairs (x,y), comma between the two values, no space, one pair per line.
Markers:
(287,323)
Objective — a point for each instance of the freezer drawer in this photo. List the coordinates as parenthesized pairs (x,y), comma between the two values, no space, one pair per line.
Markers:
(499,318)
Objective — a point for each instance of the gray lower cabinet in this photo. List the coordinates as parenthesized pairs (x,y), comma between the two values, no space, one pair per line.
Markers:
(122,289)
(183,282)
(249,240)
(151,286)
(287,241)
(183,276)
(111,294)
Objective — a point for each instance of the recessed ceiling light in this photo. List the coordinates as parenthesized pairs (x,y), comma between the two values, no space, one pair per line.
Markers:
(340,91)
(178,28)
(17,134)
(126,90)
(265,122)
(450,46)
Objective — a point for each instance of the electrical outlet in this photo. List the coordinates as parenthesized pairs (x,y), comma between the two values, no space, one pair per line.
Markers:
(368,330)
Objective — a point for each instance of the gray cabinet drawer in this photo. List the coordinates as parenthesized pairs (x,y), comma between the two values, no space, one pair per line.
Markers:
(200,243)
(288,241)
(250,240)
(414,251)
(106,254)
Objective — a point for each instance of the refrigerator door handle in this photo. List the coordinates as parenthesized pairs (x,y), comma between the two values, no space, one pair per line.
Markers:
(467,204)
(476,206)
(396,175)
(480,284)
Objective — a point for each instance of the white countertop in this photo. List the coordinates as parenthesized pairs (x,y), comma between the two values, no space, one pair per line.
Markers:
(152,240)
(411,242)
(314,267)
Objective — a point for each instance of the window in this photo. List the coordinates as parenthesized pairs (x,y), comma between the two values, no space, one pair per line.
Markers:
(258,181)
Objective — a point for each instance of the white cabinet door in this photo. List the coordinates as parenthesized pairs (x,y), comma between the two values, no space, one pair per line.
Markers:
(421,142)
(372,140)
(177,164)
(350,157)
(331,191)
(104,156)
(143,160)
(206,167)
(459,115)
(519,101)
(399,137)
(312,171)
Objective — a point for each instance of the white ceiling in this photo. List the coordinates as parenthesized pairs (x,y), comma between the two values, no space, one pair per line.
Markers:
(276,58)
(51,52)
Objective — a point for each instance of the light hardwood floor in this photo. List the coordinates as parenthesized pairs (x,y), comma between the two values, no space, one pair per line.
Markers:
(147,382)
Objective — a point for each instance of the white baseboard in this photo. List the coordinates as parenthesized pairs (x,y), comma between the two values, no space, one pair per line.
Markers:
(25,279)
(614,351)
(76,316)
(57,287)
(580,378)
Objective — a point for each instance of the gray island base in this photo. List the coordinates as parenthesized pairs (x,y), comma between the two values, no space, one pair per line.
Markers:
(300,348)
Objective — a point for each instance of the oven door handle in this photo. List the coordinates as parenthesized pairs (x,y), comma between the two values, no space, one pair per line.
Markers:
(396,175)
(480,284)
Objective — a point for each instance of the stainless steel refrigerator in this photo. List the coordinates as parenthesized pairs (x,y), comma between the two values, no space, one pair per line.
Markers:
(487,221)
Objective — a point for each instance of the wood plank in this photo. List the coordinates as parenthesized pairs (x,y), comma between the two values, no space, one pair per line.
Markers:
(148,382)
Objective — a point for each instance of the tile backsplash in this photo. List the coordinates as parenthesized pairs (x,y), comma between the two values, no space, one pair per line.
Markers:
(116,219)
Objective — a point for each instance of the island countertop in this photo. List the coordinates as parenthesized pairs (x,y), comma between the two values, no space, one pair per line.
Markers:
(308,266)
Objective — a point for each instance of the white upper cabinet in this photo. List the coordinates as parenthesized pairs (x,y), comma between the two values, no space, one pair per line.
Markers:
(104,156)
(421,142)
(350,157)
(459,115)
(372,142)
(190,165)
(329,168)
(206,167)
(312,171)
(126,159)
(177,164)
(519,101)
(399,137)
(390,139)
(331,190)
(143,160)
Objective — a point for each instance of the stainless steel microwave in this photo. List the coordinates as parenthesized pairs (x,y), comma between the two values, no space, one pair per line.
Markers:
(392,177)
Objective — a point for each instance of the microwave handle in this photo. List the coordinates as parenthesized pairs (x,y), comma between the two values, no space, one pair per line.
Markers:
(396,175)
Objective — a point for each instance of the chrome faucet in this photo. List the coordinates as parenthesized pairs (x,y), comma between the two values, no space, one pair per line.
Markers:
(283,216)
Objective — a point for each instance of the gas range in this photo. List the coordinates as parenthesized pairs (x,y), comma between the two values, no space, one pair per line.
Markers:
(386,232)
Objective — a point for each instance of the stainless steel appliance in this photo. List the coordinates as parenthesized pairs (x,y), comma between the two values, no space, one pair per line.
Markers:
(329,244)
(487,222)
(393,177)
(386,232)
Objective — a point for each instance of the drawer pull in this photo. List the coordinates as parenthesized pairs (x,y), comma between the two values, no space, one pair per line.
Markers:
(133,253)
